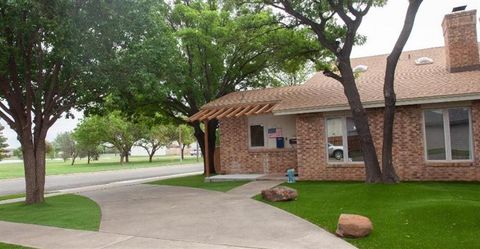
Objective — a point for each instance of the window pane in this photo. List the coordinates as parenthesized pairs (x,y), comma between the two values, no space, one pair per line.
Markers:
(434,133)
(459,133)
(335,139)
(354,145)
(257,138)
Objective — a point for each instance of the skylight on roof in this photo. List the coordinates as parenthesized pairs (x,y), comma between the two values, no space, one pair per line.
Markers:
(360,69)
(423,61)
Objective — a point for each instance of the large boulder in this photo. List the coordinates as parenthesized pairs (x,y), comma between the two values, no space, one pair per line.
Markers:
(279,193)
(353,226)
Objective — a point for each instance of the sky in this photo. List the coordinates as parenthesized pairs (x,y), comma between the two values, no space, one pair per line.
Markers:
(381,26)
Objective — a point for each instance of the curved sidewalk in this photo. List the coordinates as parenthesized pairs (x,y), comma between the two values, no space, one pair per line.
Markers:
(205,217)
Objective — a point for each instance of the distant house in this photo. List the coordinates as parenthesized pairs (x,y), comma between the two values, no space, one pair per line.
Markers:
(309,127)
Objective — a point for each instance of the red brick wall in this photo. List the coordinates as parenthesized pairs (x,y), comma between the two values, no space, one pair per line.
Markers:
(236,157)
(461,47)
(311,158)
(408,149)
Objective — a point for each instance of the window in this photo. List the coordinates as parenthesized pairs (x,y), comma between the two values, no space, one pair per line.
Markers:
(257,136)
(343,141)
(448,134)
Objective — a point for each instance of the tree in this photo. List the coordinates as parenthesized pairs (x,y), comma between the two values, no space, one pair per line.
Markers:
(185,138)
(49,150)
(388,171)
(157,136)
(119,132)
(18,153)
(320,16)
(64,142)
(53,55)
(217,49)
(89,136)
(3,144)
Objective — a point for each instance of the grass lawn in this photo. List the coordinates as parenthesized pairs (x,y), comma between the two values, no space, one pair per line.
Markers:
(8,197)
(66,211)
(10,246)
(56,167)
(197,181)
(406,215)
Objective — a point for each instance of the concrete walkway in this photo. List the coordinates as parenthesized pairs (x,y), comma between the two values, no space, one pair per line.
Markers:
(151,216)
(254,188)
(207,217)
(59,238)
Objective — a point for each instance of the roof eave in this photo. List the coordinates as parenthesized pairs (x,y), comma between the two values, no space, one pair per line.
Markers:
(378,104)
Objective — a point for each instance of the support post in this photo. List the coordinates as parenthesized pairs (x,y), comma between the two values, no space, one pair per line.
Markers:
(207,158)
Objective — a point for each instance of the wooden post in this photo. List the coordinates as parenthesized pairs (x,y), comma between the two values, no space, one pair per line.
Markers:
(207,158)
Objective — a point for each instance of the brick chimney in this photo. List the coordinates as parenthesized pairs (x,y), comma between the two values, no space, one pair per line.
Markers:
(461,46)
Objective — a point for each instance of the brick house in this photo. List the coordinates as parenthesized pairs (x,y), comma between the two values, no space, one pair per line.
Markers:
(308,127)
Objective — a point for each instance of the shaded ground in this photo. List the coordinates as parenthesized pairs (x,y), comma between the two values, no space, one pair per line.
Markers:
(406,215)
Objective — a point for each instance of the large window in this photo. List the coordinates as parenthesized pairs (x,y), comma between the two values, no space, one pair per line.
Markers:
(343,141)
(448,134)
(257,136)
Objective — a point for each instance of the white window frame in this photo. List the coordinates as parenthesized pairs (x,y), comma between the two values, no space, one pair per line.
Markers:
(250,137)
(446,133)
(344,141)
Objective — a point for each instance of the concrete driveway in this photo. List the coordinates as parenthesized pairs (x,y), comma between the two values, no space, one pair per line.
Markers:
(207,217)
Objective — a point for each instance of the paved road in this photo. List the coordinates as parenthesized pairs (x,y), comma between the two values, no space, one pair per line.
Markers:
(59,182)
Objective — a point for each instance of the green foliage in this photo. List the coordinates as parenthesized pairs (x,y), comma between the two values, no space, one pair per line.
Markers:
(49,150)
(66,211)
(3,144)
(186,137)
(89,137)
(18,153)
(198,181)
(406,215)
(217,49)
(66,145)
(156,136)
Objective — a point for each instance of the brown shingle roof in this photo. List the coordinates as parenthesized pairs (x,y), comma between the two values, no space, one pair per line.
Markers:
(413,84)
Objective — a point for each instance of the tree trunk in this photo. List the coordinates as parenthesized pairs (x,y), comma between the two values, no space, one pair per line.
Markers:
(200,136)
(388,170)
(150,157)
(34,166)
(88,158)
(182,151)
(360,118)
(126,157)
(121,158)
(73,159)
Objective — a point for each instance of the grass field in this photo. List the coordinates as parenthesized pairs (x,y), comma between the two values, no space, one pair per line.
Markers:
(197,181)
(406,215)
(10,246)
(56,167)
(66,211)
(8,197)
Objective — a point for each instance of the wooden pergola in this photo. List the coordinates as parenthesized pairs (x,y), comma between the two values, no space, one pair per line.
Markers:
(207,114)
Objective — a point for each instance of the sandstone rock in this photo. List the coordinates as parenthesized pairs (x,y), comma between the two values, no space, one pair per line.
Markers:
(279,193)
(353,226)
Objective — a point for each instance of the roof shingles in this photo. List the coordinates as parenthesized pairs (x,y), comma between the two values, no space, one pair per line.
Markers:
(412,82)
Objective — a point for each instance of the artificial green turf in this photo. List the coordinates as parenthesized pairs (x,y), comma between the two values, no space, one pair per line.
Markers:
(406,215)
(66,211)
(8,197)
(56,167)
(10,246)
(197,181)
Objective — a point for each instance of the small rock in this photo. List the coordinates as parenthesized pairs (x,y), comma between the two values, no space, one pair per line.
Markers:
(280,193)
(353,226)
